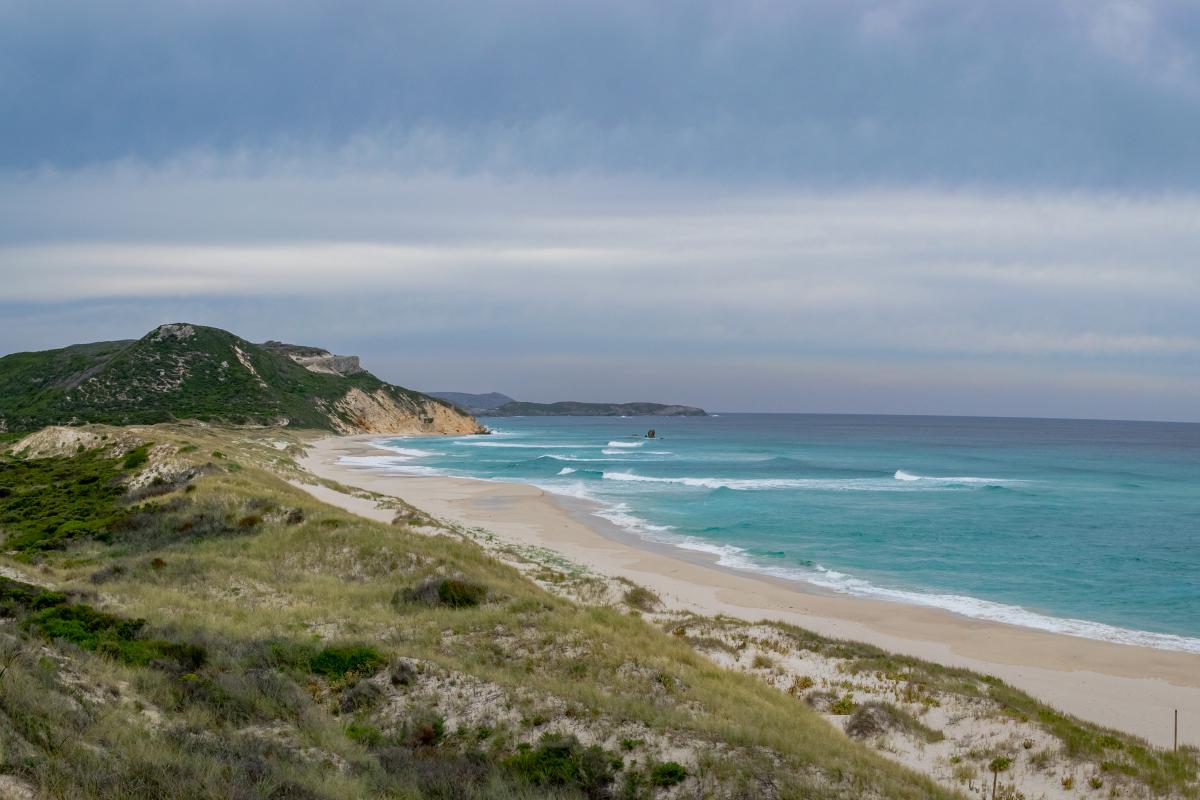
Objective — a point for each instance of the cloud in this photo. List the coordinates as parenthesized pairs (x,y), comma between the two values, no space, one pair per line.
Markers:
(1050,94)
(606,267)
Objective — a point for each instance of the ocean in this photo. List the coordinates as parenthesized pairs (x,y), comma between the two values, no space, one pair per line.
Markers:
(1090,528)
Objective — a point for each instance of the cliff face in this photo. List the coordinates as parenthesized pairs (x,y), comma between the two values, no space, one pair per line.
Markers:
(182,371)
(383,412)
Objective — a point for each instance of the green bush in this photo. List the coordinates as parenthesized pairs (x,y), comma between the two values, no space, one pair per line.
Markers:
(667,773)
(451,592)
(458,593)
(52,616)
(339,662)
(47,502)
(137,457)
(561,761)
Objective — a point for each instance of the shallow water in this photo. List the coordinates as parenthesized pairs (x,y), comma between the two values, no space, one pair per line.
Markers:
(1084,527)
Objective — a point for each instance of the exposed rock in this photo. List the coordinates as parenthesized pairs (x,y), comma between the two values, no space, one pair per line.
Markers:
(381,412)
(177,330)
(57,441)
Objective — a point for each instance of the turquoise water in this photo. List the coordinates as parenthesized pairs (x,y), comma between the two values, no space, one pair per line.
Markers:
(1083,527)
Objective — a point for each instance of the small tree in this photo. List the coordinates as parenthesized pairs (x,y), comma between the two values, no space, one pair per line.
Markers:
(998,765)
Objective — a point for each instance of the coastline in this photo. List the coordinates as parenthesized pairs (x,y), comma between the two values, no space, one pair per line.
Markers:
(1128,687)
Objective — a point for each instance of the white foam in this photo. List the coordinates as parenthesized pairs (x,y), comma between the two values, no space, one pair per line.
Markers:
(963,605)
(557,457)
(389,465)
(826,484)
(752,484)
(410,452)
(625,444)
(518,445)
(909,477)
(565,471)
(619,515)
(574,489)
(1001,612)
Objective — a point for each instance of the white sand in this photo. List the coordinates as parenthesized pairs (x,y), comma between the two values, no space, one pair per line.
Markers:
(1135,689)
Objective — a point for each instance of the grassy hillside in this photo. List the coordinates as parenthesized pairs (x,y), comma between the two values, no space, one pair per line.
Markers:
(215,632)
(178,372)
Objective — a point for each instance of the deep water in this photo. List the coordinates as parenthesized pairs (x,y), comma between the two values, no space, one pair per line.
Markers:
(1085,527)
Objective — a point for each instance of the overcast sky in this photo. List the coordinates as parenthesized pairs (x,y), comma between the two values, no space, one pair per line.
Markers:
(910,206)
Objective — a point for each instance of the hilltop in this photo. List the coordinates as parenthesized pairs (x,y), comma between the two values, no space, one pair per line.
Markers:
(191,372)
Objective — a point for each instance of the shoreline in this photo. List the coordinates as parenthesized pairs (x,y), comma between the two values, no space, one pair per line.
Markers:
(1129,687)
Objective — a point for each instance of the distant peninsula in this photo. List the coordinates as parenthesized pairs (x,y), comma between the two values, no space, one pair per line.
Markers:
(495,404)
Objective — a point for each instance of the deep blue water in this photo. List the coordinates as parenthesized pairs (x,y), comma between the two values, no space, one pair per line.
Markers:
(1087,527)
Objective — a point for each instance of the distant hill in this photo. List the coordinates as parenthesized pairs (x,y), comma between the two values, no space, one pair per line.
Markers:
(571,408)
(474,402)
(182,371)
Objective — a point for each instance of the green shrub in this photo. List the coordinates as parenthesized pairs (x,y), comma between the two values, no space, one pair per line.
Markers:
(339,662)
(137,457)
(843,705)
(426,730)
(561,761)
(47,502)
(365,734)
(458,593)
(451,592)
(52,616)
(667,773)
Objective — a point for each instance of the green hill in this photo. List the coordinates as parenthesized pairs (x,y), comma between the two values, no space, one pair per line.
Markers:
(183,371)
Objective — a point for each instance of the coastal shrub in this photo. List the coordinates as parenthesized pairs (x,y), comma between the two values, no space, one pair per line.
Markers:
(137,456)
(762,661)
(799,684)
(52,616)
(561,761)
(340,662)
(47,502)
(875,719)
(667,773)
(361,695)
(455,592)
(426,729)
(642,599)
(843,705)
(364,734)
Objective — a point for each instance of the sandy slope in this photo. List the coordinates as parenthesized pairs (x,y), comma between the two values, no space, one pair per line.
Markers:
(1131,688)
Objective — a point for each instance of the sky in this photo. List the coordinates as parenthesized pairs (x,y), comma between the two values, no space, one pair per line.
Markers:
(915,206)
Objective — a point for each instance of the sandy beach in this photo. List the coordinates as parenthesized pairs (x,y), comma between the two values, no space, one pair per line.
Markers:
(1131,688)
